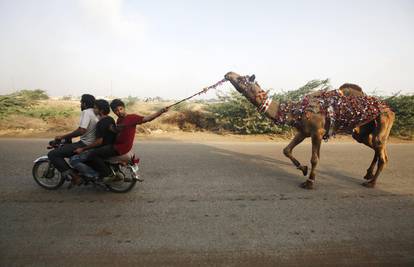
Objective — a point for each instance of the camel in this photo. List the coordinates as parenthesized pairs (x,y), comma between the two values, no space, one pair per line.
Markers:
(321,114)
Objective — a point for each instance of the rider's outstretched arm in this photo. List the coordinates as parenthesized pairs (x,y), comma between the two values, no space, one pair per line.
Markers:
(154,116)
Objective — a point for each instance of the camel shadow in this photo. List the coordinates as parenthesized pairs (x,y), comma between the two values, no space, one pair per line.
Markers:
(330,177)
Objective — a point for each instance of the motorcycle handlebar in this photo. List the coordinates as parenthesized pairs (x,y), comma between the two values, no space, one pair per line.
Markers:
(57,143)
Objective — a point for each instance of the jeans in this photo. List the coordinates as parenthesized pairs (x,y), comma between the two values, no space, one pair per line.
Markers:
(97,158)
(78,162)
(57,156)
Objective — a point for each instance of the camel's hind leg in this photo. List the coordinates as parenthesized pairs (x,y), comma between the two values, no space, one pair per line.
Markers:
(299,137)
(364,134)
(370,171)
(379,142)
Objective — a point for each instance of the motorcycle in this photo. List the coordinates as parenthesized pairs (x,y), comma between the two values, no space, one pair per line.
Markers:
(124,167)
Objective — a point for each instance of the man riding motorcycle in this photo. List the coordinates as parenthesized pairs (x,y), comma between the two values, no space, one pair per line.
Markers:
(86,131)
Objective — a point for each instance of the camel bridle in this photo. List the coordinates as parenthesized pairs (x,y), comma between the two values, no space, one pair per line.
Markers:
(261,97)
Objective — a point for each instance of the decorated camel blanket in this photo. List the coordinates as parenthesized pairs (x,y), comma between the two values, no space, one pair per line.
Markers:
(343,112)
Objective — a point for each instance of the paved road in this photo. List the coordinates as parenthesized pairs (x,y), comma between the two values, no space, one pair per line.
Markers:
(229,204)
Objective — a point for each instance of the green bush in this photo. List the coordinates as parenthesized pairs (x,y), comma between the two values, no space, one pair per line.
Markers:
(298,94)
(403,106)
(130,101)
(66,97)
(11,103)
(36,94)
(192,120)
(236,114)
(183,106)
(25,102)
(46,113)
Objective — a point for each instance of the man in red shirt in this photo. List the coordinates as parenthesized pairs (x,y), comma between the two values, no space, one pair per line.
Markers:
(126,128)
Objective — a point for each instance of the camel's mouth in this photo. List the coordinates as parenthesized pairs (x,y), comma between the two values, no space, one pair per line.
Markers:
(247,86)
(241,83)
(244,84)
(236,78)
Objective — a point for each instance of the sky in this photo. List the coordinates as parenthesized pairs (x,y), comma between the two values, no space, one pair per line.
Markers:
(175,48)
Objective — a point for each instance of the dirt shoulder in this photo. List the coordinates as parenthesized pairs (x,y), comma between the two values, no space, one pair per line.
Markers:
(189,136)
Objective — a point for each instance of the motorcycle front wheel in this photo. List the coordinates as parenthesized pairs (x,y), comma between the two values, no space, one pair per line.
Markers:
(46,175)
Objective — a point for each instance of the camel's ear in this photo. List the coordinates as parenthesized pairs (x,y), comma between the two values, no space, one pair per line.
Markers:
(252,78)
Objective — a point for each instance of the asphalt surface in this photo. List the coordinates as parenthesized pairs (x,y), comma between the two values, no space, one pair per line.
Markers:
(225,204)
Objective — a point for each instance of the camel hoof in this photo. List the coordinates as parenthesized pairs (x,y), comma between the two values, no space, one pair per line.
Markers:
(368,177)
(304,170)
(368,184)
(307,185)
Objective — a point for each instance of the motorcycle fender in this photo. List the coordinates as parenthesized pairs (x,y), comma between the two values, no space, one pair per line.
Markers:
(42,158)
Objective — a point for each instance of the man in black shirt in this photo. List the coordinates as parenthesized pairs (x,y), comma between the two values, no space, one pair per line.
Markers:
(104,136)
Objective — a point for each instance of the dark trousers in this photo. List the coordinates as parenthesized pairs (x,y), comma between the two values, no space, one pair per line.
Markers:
(97,159)
(57,156)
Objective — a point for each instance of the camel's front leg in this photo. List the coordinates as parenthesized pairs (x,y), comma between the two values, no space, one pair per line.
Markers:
(316,147)
(299,137)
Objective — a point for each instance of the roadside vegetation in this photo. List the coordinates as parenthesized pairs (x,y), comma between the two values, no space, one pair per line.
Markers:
(20,101)
(31,111)
(403,106)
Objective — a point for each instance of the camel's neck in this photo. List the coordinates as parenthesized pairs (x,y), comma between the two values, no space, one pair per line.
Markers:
(266,106)
(272,110)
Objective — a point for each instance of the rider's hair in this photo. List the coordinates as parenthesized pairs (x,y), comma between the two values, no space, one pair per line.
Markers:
(103,106)
(88,100)
(116,103)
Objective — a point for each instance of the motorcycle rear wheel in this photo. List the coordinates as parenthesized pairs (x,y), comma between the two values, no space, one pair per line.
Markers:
(125,185)
(46,175)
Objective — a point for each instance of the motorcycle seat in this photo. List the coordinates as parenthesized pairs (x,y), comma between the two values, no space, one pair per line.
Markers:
(123,159)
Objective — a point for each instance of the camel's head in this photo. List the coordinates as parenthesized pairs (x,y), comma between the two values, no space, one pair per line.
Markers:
(246,85)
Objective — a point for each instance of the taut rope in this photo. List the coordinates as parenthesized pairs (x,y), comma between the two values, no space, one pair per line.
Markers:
(196,94)
(199,93)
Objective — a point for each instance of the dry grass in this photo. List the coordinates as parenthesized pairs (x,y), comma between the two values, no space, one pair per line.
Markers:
(52,117)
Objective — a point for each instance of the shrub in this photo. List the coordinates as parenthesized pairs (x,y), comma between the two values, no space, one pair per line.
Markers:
(13,103)
(26,102)
(66,97)
(131,100)
(191,120)
(236,114)
(37,94)
(47,113)
(309,87)
(403,106)
(181,107)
